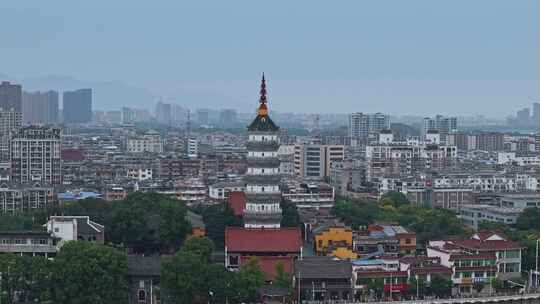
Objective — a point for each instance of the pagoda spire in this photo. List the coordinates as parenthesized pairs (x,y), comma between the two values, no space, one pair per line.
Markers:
(262,98)
(263,110)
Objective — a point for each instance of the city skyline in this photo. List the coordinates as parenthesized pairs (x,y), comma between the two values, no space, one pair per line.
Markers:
(399,58)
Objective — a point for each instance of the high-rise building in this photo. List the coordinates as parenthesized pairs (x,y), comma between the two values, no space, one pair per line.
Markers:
(77,106)
(361,125)
(536,114)
(128,115)
(443,124)
(35,155)
(313,160)
(40,107)
(227,117)
(163,113)
(523,117)
(179,114)
(262,178)
(203,116)
(10,97)
(10,123)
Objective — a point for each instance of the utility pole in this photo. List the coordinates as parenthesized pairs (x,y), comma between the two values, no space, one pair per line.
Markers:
(299,290)
(536,270)
(417,290)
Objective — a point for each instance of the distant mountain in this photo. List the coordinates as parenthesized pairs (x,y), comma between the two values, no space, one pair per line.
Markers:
(115,94)
(107,95)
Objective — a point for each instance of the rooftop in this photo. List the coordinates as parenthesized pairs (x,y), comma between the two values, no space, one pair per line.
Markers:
(246,240)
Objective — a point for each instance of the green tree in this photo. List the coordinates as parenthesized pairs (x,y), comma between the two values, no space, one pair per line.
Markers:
(15,222)
(89,273)
(397,199)
(283,278)
(173,225)
(217,218)
(440,286)
(27,277)
(290,216)
(184,277)
(250,279)
(201,246)
(149,222)
(529,219)
(356,213)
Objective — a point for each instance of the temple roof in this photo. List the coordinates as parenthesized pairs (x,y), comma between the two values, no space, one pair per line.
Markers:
(263,123)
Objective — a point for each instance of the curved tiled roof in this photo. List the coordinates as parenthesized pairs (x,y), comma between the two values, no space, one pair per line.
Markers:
(263,123)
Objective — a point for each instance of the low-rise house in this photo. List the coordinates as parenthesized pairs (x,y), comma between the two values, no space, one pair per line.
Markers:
(269,245)
(115,193)
(484,256)
(334,241)
(75,228)
(308,193)
(473,215)
(424,268)
(144,273)
(221,190)
(323,279)
(385,239)
(31,243)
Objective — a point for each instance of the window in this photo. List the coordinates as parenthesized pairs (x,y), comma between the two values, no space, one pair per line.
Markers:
(511,267)
(56,229)
(512,254)
(408,241)
(142,295)
(233,261)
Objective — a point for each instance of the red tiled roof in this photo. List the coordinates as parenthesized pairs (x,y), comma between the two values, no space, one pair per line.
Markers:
(268,264)
(487,245)
(485,234)
(431,269)
(237,202)
(284,240)
(72,155)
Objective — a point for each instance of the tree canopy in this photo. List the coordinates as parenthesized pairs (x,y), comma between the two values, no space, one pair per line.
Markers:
(81,273)
(190,277)
(428,223)
(89,273)
(216,219)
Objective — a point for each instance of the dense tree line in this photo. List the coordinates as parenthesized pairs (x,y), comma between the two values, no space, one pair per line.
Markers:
(190,277)
(143,222)
(81,273)
(428,223)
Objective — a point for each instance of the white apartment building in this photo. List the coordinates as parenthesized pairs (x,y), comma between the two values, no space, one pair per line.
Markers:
(313,160)
(150,142)
(361,124)
(406,158)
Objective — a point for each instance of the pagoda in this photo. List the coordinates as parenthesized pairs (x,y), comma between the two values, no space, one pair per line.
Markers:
(262,178)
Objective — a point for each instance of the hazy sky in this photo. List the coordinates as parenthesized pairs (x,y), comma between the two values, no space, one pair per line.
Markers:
(415,57)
